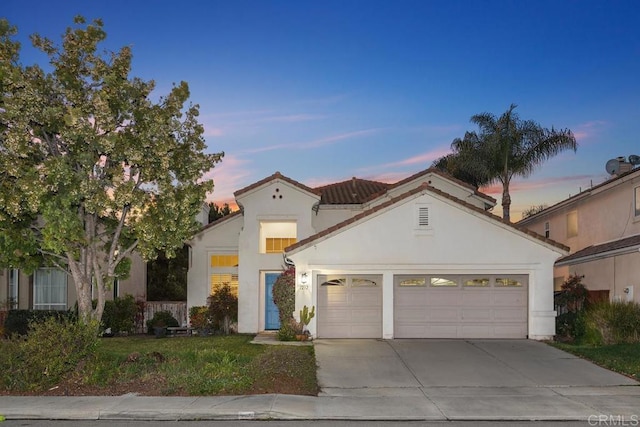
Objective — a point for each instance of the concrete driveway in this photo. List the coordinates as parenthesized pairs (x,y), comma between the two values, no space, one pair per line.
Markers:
(472,379)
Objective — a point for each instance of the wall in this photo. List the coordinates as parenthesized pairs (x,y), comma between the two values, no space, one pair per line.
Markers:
(613,274)
(458,242)
(276,200)
(220,238)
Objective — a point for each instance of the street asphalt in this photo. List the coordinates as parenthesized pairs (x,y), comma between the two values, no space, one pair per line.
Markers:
(393,380)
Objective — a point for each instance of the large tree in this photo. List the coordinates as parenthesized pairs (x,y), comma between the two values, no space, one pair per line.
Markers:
(93,168)
(503,147)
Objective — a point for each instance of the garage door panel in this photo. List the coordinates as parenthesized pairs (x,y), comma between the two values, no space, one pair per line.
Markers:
(509,314)
(487,311)
(336,296)
(364,300)
(476,299)
(335,316)
(442,314)
(476,314)
(417,314)
(438,297)
(350,311)
(509,298)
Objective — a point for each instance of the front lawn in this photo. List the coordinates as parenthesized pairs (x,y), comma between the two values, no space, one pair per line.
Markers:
(198,366)
(622,358)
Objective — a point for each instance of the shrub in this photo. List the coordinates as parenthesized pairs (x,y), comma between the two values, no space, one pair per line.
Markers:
(18,321)
(223,308)
(162,318)
(284,294)
(199,317)
(52,349)
(120,314)
(287,331)
(612,323)
(572,300)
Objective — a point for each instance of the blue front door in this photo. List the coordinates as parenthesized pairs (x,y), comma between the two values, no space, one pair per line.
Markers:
(271,320)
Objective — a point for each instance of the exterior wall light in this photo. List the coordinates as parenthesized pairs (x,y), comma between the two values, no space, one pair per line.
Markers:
(304,277)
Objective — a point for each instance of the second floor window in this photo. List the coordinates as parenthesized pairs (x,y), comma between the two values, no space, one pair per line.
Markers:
(546,229)
(277,235)
(637,201)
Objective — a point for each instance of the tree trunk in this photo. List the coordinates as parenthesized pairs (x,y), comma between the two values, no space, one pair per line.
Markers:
(506,203)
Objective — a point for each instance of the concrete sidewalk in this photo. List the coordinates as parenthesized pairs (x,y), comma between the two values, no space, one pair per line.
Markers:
(442,403)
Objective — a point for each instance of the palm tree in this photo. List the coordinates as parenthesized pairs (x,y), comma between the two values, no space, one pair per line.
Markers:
(503,147)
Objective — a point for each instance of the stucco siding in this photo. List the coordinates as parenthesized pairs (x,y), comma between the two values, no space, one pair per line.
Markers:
(458,241)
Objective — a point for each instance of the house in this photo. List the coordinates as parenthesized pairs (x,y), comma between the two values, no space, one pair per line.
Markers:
(601,226)
(421,258)
(52,289)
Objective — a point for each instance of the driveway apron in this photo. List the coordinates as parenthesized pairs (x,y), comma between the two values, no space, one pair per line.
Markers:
(400,365)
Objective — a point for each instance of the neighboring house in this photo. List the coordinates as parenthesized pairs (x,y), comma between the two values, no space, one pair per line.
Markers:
(601,225)
(53,289)
(419,258)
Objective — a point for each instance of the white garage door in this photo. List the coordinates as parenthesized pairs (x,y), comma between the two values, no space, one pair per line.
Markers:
(460,306)
(350,306)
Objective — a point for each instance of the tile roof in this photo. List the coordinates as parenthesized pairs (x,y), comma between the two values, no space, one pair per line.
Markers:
(416,190)
(446,176)
(614,245)
(275,176)
(219,221)
(352,191)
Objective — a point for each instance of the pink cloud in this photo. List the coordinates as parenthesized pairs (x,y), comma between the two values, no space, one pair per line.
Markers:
(424,159)
(589,129)
(212,131)
(228,176)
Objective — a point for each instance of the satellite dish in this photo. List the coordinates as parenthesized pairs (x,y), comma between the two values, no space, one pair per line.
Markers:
(634,160)
(613,166)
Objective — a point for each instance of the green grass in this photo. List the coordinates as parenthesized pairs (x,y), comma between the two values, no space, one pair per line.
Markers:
(197,366)
(622,358)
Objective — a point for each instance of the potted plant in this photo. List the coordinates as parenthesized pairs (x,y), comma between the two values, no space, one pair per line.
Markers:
(305,317)
(160,321)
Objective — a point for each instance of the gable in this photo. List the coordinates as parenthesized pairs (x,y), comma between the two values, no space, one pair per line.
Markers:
(427,225)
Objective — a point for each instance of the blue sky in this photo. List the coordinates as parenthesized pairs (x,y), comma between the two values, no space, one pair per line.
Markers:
(326,90)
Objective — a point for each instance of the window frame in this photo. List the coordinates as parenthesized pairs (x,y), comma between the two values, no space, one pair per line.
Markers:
(13,288)
(223,267)
(636,202)
(48,290)
(547,229)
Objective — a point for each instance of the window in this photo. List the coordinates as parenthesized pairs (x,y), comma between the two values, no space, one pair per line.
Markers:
(637,201)
(546,229)
(415,281)
(14,274)
(217,280)
(508,282)
(335,282)
(50,289)
(477,282)
(276,245)
(442,282)
(572,224)
(275,236)
(362,282)
(223,268)
(224,260)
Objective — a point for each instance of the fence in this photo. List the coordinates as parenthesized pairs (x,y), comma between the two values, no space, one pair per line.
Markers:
(177,308)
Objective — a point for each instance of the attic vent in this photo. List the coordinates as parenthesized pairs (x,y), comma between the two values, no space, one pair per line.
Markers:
(423,216)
